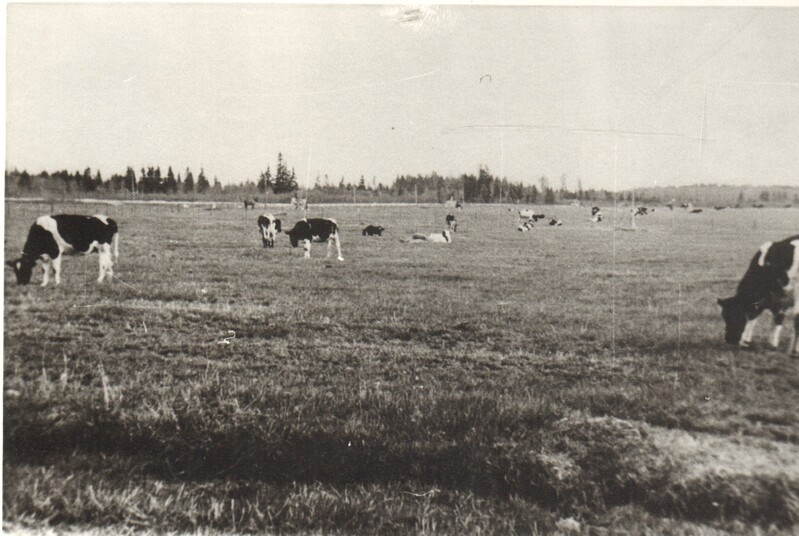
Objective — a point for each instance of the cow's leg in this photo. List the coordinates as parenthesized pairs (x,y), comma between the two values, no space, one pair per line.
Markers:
(57,269)
(338,245)
(779,317)
(109,267)
(749,329)
(46,268)
(329,240)
(794,347)
(306,245)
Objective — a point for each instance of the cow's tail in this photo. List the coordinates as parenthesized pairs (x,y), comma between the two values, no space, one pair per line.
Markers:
(116,246)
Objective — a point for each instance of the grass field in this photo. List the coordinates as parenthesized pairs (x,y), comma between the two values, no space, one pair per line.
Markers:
(506,383)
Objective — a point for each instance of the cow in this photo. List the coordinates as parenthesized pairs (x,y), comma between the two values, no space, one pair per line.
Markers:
(555,222)
(249,203)
(373,230)
(299,204)
(770,283)
(719,207)
(596,215)
(52,237)
(639,211)
(315,230)
(269,227)
(459,205)
(526,226)
(452,222)
(444,237)
(530,214)
(695,210)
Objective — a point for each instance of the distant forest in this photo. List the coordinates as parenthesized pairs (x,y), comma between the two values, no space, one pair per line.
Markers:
(282,185)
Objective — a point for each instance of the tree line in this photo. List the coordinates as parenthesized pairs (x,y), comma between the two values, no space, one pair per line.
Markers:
(484,187)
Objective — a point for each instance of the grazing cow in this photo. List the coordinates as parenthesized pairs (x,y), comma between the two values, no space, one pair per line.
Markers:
(452,222)
(459,205)
(373,230)
(444,237)
(640,211)
(770,283)
(526,226)
(553,221)
(249,203)
(596,214)
(315,230)
(52,237)
(269,227)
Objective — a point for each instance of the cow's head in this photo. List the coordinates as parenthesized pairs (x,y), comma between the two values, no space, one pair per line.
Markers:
(294,238)
(734,314)
(23,269)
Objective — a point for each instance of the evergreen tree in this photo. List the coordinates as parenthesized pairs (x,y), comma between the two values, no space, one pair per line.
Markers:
(362,184)
(24,182)
(130,180)
(283,179)
(202,183)
(188,184)
(170,184)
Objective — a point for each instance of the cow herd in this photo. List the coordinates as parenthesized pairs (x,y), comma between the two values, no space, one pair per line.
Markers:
(770,282)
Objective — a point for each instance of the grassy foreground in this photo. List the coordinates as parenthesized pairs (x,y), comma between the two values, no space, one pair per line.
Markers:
(567,379)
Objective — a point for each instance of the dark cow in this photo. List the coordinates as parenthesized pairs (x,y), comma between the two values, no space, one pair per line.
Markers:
(52,237)
(770,283)
(250,203)
(269,227)
(695,210)
(373,230)
(315,230)
(452,222)
(640,211)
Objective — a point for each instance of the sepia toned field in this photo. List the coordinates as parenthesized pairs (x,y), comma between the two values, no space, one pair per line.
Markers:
(505,383)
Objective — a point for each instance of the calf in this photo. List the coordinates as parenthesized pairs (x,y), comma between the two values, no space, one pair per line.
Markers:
(269,227)
(770,283)
(315,230)
(52,237)
(452,222)
(444,237)
(373,230)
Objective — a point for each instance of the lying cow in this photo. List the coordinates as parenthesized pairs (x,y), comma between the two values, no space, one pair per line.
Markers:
(530,214)
(555,222)
(373,230)
(269,227)
(52,237)
(315,230)
(526,226)
(444,237)
(770,283)
(452,222)
(596,214)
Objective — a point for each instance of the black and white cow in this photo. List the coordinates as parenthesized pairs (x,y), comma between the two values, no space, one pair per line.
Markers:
(596,214)
(526,226)
(640,211)
(52,237)
(770,283)
(555,222)
(269,227)
(452,222)
(315,230)
(530,214)
(444,237)
(373,230)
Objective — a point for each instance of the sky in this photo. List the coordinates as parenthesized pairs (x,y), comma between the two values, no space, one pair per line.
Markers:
(611,97)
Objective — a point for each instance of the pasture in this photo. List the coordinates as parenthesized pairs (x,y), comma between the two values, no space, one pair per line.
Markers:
(504,383)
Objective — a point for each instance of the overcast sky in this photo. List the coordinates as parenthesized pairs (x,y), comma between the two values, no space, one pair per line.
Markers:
(624,96)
